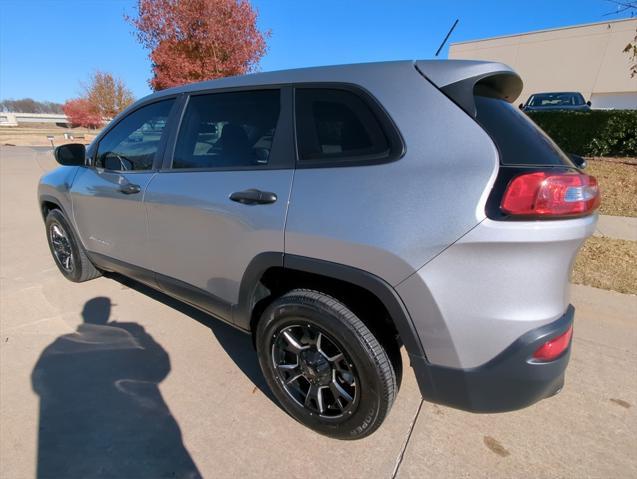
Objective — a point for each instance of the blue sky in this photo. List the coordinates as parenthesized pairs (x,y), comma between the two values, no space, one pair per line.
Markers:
(47,47)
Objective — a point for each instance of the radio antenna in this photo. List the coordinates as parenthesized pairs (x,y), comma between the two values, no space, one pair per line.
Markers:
(447,37)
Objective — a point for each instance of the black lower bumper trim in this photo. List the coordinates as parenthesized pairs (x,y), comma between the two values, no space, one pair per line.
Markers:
(512,380)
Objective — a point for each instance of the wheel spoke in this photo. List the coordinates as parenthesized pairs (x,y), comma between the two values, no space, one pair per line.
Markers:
(339,392)
(289,372)
(315,393)
(292,343)
(287,367)
(335,358)
(294,377)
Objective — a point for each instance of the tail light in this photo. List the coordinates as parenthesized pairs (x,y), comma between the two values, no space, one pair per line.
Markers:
(553,348)
(546,194)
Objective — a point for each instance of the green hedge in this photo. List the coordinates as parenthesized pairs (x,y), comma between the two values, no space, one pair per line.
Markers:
(593,133)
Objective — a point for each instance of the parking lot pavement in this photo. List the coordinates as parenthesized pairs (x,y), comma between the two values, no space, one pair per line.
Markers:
(108,378)
(588,430)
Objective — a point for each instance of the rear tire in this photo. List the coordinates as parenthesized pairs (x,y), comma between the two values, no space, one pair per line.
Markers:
(67,251)
(324,365)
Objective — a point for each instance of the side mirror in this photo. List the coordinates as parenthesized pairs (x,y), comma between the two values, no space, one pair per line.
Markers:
(589,103)
(73,154)
(521,106)
(578,161)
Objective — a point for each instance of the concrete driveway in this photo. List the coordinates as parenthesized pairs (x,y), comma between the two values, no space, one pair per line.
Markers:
(134,384)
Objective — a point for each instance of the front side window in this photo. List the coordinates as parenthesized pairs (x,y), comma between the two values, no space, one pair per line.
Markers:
(337,124)
(133,143)
(228,130)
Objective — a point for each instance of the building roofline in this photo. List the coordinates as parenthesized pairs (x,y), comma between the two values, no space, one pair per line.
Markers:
(542,31)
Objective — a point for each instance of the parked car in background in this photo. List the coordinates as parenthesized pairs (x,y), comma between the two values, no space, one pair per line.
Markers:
(572,101)
(338,214)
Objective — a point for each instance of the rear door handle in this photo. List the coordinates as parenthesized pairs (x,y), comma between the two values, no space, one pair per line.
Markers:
(253,197)
(130,189)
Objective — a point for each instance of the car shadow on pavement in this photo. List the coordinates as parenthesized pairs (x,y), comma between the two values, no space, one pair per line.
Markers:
(101,411)
(237,345)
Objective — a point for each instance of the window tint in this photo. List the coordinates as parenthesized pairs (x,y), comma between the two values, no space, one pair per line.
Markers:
(337,124)
(228,130)
(132,144)
(519,140)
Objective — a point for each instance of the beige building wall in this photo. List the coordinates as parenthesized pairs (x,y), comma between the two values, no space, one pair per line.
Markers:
(584,58)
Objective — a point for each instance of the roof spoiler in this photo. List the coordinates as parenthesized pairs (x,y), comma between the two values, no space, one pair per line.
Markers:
(461,79)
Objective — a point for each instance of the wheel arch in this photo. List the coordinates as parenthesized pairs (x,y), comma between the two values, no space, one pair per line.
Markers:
(48,203)
(270,274)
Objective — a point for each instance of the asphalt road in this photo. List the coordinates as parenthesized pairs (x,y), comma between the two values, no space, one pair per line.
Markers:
(110,379)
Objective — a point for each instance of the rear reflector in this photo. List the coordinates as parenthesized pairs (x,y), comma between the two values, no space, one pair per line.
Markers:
(546,194)
(553,348)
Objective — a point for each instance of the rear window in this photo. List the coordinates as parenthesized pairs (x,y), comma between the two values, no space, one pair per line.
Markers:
(519,140)
(228,130)
(337,124)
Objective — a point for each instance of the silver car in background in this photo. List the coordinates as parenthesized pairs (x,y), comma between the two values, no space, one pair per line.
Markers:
(338,214)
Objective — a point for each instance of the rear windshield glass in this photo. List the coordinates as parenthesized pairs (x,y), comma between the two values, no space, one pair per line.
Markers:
(518,139)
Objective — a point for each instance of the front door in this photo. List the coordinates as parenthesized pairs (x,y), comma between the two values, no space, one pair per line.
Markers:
(223,198)
(107,196)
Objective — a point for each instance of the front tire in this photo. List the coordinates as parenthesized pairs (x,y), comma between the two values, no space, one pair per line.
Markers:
(324,365)
(67,252)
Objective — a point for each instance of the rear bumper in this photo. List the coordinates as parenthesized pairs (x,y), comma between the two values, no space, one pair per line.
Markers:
(510,381)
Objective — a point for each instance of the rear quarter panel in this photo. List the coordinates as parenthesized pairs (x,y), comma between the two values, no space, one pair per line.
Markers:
(392,218)
(496,283)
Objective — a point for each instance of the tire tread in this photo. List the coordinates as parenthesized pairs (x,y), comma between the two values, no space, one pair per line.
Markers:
(87,271)
(369,342)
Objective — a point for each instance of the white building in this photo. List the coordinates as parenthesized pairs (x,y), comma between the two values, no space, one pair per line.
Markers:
(585,58)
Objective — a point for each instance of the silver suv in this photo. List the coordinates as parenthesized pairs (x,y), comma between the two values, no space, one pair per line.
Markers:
(337,214)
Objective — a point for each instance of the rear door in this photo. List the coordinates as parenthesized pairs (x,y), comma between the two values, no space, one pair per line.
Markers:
(222,196)
(107,195)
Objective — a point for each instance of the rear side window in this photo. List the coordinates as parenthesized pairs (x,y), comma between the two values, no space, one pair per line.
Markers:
(228,130)
(335,124)
(519,140)
(133,143)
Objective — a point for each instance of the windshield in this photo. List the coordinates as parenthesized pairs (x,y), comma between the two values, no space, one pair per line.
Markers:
(556,99)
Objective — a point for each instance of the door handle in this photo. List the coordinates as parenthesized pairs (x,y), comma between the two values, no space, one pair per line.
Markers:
(253,197)
(130,189)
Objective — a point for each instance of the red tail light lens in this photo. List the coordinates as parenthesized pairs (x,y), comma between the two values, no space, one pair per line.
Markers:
(544,194)
(552,349)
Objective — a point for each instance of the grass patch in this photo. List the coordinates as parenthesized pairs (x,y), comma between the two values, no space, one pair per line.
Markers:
(618,184)
(607,263)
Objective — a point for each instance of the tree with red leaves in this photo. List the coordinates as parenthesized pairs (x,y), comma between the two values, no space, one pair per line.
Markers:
(81,112)
(196,40)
